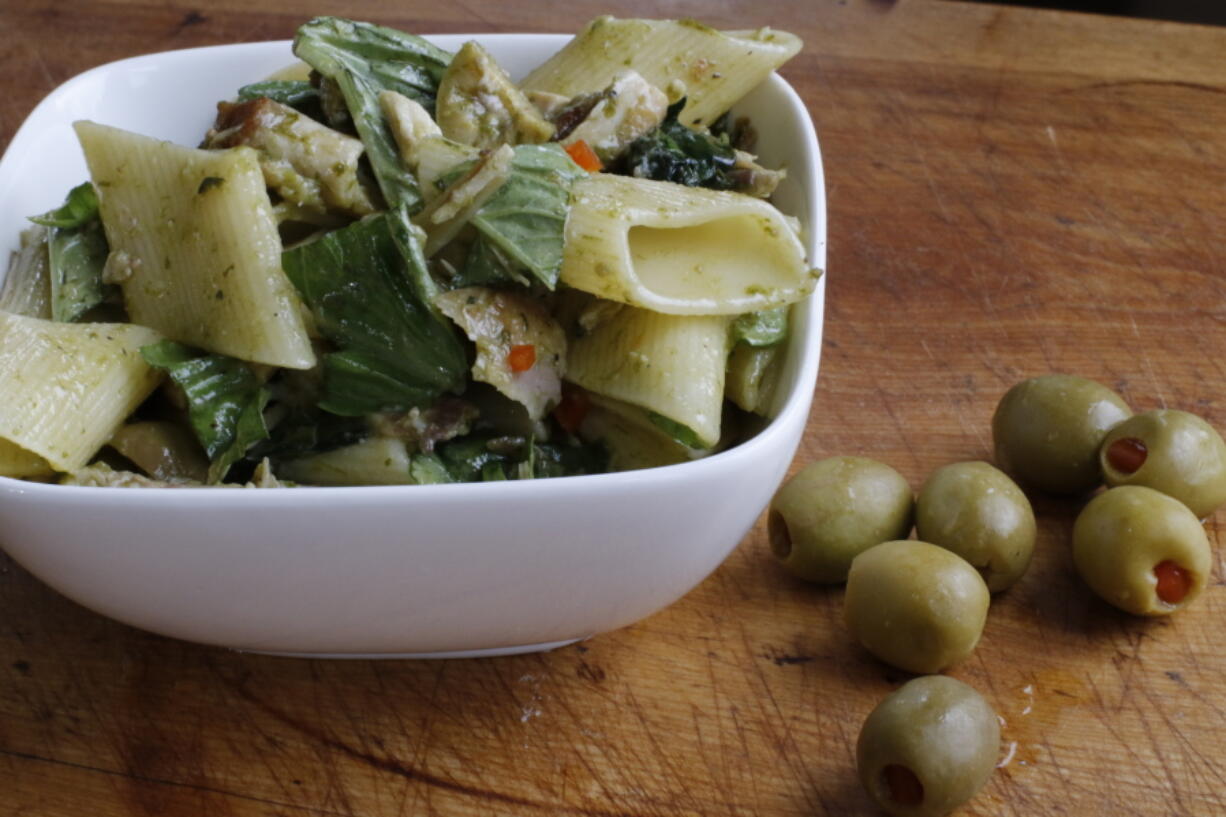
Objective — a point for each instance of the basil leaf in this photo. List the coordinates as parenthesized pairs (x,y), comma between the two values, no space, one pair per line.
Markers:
(485,265)
(306,431)
(486,457)
(392,351)
(77,252)
(364,59)
(225,401)
(524,221)
(764,328)
(474,457)
(293,92)
(78,209)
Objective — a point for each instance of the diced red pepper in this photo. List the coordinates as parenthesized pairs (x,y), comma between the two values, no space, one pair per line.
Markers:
(521,358)
(584,156)
(572,408)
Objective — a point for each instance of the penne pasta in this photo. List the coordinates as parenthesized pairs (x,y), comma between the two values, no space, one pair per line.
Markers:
(713,69)
(68,387)
(672,366)
(681,250)
(194,246)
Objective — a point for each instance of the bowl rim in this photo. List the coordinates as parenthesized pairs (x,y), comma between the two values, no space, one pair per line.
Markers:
(793,411)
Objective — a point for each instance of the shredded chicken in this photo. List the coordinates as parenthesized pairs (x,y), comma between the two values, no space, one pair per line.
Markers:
(449,212)
(307,163)
(500,323)
(629,108)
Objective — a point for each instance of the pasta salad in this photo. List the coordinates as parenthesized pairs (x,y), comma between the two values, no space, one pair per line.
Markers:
(392,264)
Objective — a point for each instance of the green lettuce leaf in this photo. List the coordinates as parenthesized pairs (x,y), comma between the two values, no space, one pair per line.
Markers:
(392,351)
(765,328)
(522,225)
(364,59)
(77,250)
(225,401)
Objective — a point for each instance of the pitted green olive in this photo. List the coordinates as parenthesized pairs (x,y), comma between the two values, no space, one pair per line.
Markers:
(1047,431)
(980,514)
(928,747)
(915,605)
(1141,550)
(833,510)
(1170,451)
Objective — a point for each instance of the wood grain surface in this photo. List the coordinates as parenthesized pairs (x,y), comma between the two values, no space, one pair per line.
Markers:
(1011,192)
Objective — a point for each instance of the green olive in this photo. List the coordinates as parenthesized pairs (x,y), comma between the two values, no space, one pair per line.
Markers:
(928,747)
(980,514)
(915,605)
(1047,431)
(833,510)
(1141,550)
(1170,451)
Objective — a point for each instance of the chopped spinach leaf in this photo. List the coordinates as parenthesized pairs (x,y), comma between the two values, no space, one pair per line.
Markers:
(225,401)
(80,208)
(522,226)
(364,59)
(674,153)
(392,351)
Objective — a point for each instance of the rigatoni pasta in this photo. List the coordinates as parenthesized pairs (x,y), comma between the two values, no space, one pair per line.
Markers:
(67,387)
(681,250)
(714,69)
(194,246)
(670,365)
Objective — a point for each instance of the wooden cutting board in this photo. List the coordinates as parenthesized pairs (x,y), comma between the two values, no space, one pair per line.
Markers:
(1011,192)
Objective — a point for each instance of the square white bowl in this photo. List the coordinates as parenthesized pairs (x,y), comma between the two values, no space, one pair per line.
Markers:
(429,570)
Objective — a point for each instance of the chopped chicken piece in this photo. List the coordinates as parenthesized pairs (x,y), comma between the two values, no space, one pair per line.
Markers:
(307,163)
(521,350)
(479,105)
(626,110)
(448,213)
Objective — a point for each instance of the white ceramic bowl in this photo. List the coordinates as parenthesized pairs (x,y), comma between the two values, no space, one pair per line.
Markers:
(467,569)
